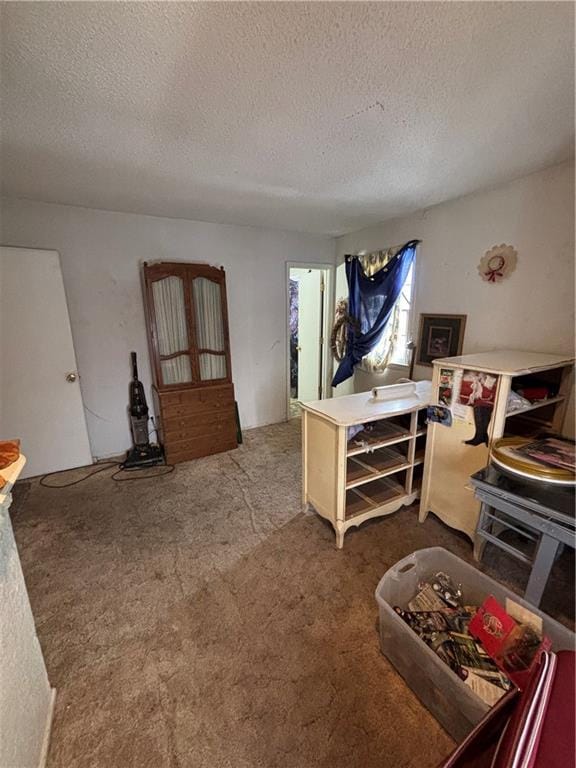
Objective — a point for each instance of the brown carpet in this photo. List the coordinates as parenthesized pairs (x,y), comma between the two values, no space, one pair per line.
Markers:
(203,621)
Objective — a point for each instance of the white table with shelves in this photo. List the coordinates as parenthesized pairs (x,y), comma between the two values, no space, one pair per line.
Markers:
(450,461)
(375,472)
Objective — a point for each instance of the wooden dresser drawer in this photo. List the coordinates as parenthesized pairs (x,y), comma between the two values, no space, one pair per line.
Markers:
(186,420)
(184,411)
(186,450)
(201,397)
(216,428)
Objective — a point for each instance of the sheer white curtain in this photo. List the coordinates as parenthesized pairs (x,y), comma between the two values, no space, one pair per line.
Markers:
(209,328)
(378,359)
(170,311)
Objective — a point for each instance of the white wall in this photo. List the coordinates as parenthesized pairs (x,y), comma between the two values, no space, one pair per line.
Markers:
(101,253)
(531,310)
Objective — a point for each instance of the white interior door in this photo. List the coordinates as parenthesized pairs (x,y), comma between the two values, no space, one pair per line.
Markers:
(40,399)
(309,332)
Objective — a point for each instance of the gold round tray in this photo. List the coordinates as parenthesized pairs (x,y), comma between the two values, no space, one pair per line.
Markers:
(503,455)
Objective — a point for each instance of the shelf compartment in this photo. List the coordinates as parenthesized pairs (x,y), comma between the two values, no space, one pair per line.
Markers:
(417,478)
(380,434)
(357,472)
(373,494)
(534,406)
(370,466)
(419,456)
(420,449)
(421,420)
(356,504)
(384,459)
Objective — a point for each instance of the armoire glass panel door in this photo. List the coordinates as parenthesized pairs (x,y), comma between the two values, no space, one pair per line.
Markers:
(207,297)
(172,330)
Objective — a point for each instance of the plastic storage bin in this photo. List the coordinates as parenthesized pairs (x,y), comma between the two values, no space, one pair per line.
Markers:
(440,689)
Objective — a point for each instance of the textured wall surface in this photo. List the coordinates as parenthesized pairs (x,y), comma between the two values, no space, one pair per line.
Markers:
(25,695)
(320,117)
(101,255)
(533,309)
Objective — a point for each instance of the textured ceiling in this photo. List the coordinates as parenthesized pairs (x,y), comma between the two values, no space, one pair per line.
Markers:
(319,117)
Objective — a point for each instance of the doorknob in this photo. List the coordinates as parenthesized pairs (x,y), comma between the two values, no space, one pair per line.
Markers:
(71,377)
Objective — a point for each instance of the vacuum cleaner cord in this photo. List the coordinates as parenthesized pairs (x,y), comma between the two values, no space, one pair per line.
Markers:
(120,476)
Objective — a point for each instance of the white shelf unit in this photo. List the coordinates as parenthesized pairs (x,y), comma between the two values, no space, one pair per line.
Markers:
(446,490)
(376,472)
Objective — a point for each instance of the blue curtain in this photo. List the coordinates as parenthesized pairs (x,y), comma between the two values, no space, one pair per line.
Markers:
(370,303)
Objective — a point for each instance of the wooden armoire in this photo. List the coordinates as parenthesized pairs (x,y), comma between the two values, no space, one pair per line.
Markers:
(187,324)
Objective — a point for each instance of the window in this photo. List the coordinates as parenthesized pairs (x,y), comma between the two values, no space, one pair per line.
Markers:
(391,349)
(401,355)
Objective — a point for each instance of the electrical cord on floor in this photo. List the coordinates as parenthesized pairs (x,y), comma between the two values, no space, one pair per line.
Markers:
(119,476)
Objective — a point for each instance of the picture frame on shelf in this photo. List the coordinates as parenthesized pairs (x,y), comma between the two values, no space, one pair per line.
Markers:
(439,336)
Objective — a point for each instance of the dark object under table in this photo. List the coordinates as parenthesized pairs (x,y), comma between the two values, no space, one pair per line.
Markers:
(541,513)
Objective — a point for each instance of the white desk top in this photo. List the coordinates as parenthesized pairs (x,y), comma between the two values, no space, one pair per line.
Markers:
(10,474)
(361,408)
(508,362)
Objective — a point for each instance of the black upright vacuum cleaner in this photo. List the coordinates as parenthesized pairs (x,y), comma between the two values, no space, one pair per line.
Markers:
(143,453)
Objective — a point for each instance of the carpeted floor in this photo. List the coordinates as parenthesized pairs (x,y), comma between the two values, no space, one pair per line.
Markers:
(203,621)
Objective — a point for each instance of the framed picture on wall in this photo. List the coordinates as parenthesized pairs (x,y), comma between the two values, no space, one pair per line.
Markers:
(439,336)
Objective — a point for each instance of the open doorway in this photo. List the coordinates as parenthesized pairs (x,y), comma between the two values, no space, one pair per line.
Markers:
(309,310)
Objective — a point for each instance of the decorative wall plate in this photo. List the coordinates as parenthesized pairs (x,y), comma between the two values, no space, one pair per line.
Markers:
(497,263)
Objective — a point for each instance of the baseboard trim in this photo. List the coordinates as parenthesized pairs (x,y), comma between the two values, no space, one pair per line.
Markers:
(47,730)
